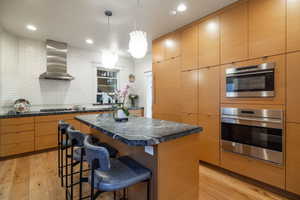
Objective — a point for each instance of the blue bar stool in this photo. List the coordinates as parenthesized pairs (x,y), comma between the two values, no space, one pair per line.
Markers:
(110,175)
(63,143)
(77,154)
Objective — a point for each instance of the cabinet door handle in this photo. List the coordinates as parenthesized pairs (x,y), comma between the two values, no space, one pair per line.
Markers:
(154,89)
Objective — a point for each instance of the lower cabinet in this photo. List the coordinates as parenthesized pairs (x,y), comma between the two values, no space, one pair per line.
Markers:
(16,136)
(255,169)
(209,139)
(168,117)
(293,158)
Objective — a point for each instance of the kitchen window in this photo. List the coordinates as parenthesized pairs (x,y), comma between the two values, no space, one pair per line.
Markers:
(107,83)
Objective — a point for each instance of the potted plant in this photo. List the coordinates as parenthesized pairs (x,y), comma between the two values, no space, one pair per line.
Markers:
(121,112)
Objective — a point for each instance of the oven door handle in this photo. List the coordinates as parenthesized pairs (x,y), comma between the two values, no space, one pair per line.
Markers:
(246,74)
(267,123)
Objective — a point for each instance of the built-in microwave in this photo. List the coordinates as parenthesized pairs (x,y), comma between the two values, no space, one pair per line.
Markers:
(253,133)
(251,81)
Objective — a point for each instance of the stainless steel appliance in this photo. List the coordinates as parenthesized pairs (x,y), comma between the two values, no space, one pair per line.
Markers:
(254,133)
(251,81)
(56,61)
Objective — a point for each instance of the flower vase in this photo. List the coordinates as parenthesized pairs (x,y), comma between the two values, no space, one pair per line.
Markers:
(120,115)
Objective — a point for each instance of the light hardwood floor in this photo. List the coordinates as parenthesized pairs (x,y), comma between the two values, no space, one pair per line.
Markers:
(34,178)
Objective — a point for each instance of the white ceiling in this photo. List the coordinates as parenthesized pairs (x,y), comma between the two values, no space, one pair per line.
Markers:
(73,21)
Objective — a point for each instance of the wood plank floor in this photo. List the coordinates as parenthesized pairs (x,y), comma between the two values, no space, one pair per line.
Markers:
(34,178)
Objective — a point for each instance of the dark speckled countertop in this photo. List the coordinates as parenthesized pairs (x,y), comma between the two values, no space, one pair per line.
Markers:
(138,131)
(5,114)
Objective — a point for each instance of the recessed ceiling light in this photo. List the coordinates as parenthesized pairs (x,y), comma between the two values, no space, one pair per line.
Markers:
(31,27)
(173,12)
(89,41)
(181,7)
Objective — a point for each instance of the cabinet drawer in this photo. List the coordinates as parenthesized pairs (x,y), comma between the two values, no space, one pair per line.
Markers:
(138,113)
(16,148)
(46,128)
(45,142)
(18,137)
(16,121)
(253,168)
(7,129)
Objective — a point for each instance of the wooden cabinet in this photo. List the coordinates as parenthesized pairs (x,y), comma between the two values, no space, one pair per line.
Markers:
(267,27)
(168,117)
(158,50)
(172,45)
(138,113)
(293,25)
(209,139)
(189,91)
(280,85)
(209,106)
(209,91)
(189,118)
(16,136)
(189,48)
(167,86)
(209,42)
(234,33)
(293,158)
(293,82)
(252,168)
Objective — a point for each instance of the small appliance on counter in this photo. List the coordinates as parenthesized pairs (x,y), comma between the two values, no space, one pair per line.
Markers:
(22,106)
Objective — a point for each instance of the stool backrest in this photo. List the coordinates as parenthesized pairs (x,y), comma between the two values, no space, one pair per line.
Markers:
(63,126)
(97,156)
(76,137)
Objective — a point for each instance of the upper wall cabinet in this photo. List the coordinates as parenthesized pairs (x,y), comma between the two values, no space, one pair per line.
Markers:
(293,25)
(172,45)
(293,82)
(189,92)
(234,33)
(267,33)
(158,50)
(166,87)
(189,48)
(209,42)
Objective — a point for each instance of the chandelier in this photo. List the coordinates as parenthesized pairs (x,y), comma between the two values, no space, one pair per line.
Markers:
(138,44)
(109,58)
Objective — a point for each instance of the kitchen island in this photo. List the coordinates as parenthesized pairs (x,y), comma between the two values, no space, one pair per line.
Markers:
(169,149)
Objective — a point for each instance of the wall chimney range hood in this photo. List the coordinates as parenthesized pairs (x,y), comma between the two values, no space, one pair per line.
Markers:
(56,61)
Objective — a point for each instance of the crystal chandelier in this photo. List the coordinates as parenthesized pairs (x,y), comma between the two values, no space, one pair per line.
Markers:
(109,58)
(138,44)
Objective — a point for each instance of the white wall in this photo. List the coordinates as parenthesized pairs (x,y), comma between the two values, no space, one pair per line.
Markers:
(25,59)
(140,67)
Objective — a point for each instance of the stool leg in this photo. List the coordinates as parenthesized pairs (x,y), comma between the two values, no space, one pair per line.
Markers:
(58,152)
(148,189)
(72,171)
(115,196)
(66,171)
(80,174)
(92,183)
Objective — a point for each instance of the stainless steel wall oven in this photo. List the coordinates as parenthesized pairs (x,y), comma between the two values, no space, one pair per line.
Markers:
(251,81)
(255,133)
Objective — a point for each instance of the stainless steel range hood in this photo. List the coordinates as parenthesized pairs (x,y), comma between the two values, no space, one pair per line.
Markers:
(56,61)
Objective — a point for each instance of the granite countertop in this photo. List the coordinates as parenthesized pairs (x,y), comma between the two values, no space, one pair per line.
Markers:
(5,114)
(138,131)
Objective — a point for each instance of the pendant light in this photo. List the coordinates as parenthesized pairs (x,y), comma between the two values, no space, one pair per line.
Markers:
(138,44)
(109,58)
